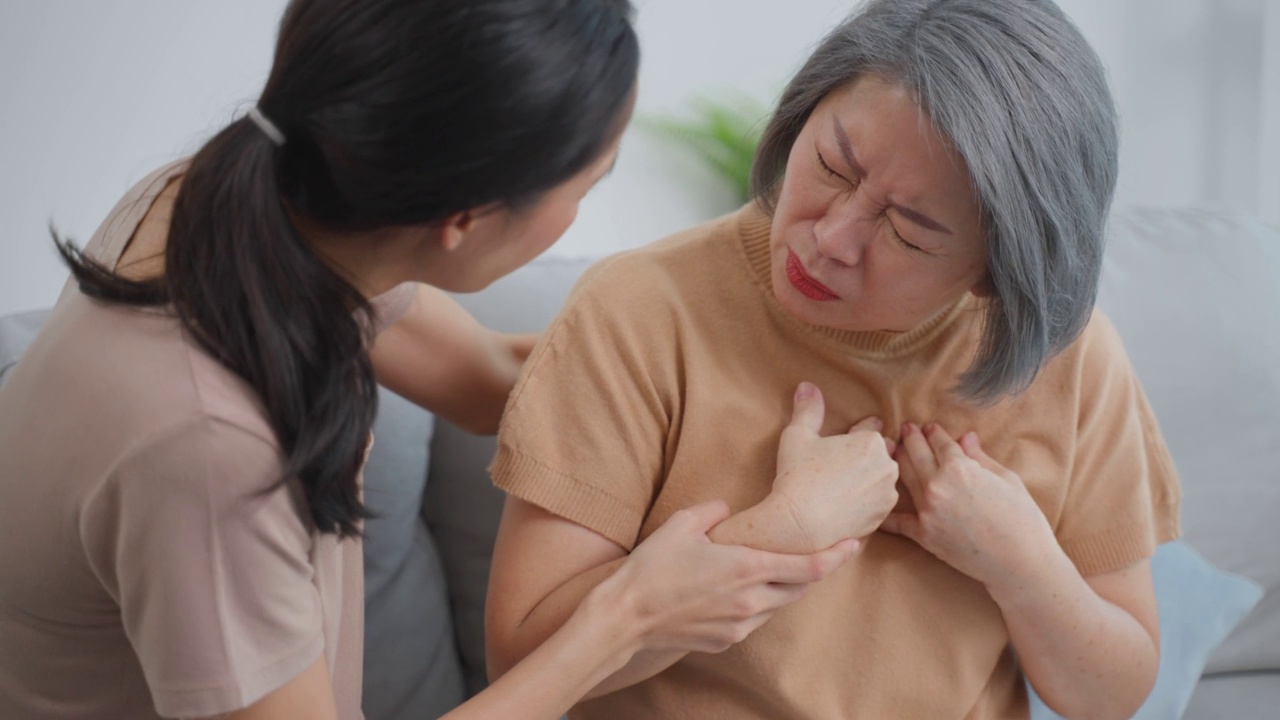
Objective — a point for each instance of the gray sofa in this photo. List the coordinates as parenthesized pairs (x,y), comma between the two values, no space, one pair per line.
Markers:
(1196,296)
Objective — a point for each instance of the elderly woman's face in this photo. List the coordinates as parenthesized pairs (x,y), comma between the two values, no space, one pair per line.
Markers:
(876,227)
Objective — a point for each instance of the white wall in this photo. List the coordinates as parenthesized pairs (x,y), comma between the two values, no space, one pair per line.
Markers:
(93,95)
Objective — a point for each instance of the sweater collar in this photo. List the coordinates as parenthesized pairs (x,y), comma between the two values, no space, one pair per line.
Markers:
(755,230)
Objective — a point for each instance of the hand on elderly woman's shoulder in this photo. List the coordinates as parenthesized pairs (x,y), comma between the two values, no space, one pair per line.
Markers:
(971,512)
(833,488)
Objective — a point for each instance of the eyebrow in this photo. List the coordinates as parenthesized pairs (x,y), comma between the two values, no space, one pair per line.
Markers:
(915,216)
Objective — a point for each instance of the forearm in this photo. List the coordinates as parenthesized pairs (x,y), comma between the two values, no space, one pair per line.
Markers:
(594,643)
(1085,656)
(555,610)
(487,399)
(505,359)
(770,525)
(760,527)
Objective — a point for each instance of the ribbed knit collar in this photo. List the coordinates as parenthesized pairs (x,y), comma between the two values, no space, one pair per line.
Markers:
(754,227)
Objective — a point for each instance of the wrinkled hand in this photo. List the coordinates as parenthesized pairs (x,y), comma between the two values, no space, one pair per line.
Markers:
(836,487)
(693,595)
(971,512)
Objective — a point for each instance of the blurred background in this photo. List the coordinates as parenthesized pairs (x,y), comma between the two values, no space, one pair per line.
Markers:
(94,95)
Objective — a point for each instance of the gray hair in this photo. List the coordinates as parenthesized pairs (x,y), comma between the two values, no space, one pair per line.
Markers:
(1021,96)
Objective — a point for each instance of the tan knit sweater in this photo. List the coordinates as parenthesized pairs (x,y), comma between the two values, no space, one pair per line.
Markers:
(666,382)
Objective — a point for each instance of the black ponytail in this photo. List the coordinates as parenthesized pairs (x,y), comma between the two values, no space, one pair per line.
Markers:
(395,113)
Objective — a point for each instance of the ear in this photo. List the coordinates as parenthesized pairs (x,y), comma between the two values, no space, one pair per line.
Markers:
(455,229)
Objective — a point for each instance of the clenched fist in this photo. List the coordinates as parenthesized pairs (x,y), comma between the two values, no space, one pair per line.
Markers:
(828,489)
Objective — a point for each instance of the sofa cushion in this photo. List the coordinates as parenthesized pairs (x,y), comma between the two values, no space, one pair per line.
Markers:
(1196,298)
(1238,696)
(462,507)
(1198,606)
(411,665)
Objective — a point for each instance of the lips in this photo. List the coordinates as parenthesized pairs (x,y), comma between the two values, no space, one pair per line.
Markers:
(805,283)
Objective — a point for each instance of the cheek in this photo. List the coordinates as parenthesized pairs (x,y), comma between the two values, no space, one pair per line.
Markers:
(799,201)
(563,220)
(550,226)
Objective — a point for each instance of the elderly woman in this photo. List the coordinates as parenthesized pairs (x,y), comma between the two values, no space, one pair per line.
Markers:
(925,248)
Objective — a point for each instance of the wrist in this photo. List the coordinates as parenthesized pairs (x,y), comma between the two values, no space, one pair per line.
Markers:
(772,524)
(1034,566)
(613,615)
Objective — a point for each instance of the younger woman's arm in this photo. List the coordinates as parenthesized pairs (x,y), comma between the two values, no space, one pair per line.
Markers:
(676,592)
(309,696)
(439,357)
(828,489)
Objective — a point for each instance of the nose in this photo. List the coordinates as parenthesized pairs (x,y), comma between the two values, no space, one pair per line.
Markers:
(844,231)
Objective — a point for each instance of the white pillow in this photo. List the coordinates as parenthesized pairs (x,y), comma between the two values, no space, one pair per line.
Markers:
(1196,298)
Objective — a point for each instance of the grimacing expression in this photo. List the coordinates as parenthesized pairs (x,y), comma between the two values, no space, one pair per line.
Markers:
(877,226)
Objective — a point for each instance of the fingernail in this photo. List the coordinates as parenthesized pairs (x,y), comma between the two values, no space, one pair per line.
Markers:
(930,427)
(878,423)
(970,439)
(804,391)
(908,428)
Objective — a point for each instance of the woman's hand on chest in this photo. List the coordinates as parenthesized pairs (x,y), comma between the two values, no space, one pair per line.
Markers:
(970,511)
(832,488)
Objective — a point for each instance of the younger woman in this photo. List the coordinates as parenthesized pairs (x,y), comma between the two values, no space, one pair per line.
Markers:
(181,448)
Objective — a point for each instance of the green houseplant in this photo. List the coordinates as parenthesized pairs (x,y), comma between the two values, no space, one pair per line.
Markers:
(722,132)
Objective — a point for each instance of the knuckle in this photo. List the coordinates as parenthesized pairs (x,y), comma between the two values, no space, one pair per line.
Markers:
(746,568)
(866,439)
(745,607)
(719,645)
(891,497)
(720,642)
(929,494)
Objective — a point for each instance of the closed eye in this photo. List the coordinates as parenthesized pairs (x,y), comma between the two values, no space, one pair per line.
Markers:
(827,168)
(892,230)
(902,241)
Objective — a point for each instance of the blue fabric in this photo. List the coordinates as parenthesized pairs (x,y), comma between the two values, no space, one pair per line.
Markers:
(1199,606)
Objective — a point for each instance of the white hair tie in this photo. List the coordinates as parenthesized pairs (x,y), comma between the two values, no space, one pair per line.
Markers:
(267,127)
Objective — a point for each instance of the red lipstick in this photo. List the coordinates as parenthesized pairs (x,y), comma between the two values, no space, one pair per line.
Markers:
(803,282)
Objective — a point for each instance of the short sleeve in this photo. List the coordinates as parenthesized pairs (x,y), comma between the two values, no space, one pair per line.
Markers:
(209,561)
(1123,497)
(392,305)
(584,435)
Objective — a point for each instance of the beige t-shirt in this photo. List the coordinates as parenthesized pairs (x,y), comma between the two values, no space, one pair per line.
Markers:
(146,569)
(666,382)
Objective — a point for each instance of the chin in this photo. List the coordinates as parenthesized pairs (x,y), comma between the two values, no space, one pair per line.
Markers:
(837,315)
(803,309)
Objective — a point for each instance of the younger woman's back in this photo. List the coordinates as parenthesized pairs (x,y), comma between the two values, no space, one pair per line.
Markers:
(140,473)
